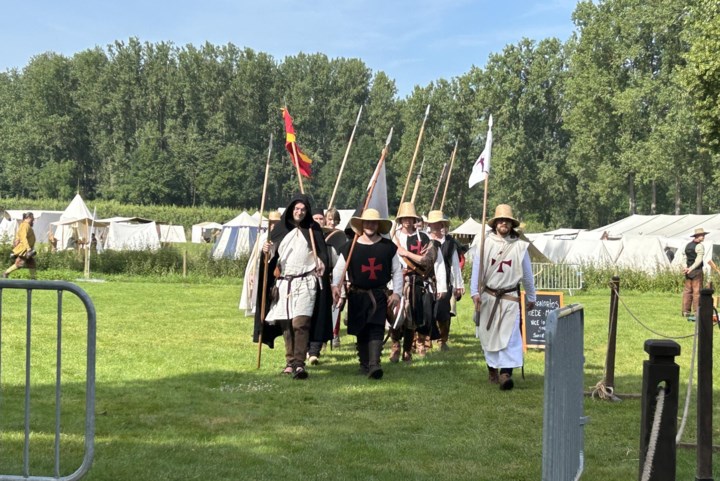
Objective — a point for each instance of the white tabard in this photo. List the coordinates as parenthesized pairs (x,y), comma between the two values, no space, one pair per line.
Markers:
(296,296)
(503,269)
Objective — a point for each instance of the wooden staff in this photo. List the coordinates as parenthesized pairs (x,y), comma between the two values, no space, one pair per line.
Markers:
(266,259)
(342,166)
(437,188)
(417,148)
(417,182)
(447,181)
(367,201)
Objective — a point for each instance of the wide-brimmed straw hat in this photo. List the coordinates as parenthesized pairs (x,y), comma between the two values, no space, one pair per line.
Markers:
(435,216)
(384,225)
(407,209)
(699,231)
(503,211)
(274,216)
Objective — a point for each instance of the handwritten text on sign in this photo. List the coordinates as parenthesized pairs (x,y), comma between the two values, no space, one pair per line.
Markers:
(534,325)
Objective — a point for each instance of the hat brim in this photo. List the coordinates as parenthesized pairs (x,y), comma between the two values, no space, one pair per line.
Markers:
(384,225)
(515,222)
(699,233)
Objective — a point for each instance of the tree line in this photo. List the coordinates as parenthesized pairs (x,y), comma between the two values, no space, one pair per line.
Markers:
(623,117)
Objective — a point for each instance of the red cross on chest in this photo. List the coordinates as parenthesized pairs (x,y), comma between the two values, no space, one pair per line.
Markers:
(502,263)
(416,248)
(371,268)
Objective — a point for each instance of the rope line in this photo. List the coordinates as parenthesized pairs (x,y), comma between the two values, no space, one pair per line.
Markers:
(686,408)
(652,443)
(641,323)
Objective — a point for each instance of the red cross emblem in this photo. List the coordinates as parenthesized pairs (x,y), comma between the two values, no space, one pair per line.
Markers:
(500,268)
(372,268)
(416,248)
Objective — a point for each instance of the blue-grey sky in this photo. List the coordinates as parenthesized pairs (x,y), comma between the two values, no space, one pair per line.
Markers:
(414,42)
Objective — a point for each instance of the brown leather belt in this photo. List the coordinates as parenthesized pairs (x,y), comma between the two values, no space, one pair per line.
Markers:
(500,294)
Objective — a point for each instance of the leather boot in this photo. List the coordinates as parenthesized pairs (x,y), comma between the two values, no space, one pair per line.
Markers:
(364,357)
(374,351)
(493,376)
(444,328)
(395,351)
(420,346)
(408,346)
(506,382)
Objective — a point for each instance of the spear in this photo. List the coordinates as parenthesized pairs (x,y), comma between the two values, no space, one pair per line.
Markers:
(266,259)
(447,181)
(367,201)
(437,187)
(347,151)
(417,181)
(488,147)
(417,148)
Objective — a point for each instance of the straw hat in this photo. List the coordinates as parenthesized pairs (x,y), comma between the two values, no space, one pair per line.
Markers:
(384,225)
(699,231)
(407,209)
(274,216)
(503,211)
(437,216)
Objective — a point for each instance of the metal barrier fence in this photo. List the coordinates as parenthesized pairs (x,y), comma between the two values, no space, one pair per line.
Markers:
(563,419)
(89,441)
(557,277)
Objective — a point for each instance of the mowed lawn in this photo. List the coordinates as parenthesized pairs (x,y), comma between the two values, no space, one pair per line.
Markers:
(179,396)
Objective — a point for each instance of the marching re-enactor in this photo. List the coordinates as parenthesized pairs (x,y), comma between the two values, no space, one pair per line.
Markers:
(298,250)
(496,294)
(424,271)
(448,246)
(24,247)
(371,266)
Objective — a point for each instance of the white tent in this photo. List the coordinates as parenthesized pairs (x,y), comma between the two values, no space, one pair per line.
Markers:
(132,237)
(237,237)
(470,227)
(42,227)
(172,233)
(73,225)
(203,230)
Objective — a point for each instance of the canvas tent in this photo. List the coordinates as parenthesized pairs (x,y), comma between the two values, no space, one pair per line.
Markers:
(204,230)
(125,236)
(42,227)
(237,236)
(172,233)
(74,224)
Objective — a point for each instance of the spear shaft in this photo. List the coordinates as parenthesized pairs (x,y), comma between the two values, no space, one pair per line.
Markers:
(342,166)
(417,148)
(447,180)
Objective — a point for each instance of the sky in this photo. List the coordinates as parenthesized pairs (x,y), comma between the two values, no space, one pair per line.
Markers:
(414,42)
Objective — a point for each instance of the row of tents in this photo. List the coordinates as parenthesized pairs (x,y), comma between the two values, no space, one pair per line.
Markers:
(644,242)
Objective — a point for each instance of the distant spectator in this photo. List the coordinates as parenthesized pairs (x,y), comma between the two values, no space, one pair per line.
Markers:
(24,247)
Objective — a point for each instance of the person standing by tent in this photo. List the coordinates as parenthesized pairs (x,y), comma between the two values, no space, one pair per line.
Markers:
(373,264)
(24,247)
(692,258)
(424,271)
(298,250)
(449,248)
(495,290)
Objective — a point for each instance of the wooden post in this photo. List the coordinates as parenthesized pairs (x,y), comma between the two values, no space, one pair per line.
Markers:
(705,387)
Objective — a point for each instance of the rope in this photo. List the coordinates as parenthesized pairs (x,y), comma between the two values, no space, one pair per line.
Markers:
(689,386)
(647,468)
(603,391)
(641,323)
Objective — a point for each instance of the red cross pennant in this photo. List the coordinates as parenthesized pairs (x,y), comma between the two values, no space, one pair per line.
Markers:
(417,247)
(372,268)
(500,268)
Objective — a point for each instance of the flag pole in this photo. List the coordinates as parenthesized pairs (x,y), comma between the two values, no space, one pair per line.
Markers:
(417,148)
(342,166)
(417,181)
(266,260)
(367,201)
(447,180)
(437,187)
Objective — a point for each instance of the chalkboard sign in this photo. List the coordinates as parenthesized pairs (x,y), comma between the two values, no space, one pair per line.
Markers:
(533,328)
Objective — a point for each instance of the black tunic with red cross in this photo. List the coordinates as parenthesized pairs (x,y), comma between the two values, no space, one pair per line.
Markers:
(370,270)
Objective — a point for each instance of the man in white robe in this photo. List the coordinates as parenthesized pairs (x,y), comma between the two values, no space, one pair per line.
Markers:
(495,290)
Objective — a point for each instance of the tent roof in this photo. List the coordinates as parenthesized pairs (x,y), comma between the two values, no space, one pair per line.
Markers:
(14,214)
(208,225)
(662,225)
(77,210)
(469,227)
(242,220)
(126,220)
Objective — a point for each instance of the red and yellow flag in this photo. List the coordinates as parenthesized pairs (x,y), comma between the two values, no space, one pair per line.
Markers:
(302,160)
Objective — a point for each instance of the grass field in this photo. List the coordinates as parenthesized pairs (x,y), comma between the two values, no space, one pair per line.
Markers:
(179,396)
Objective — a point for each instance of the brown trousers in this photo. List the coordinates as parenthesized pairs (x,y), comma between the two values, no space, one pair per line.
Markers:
(296,333)
(691,294)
